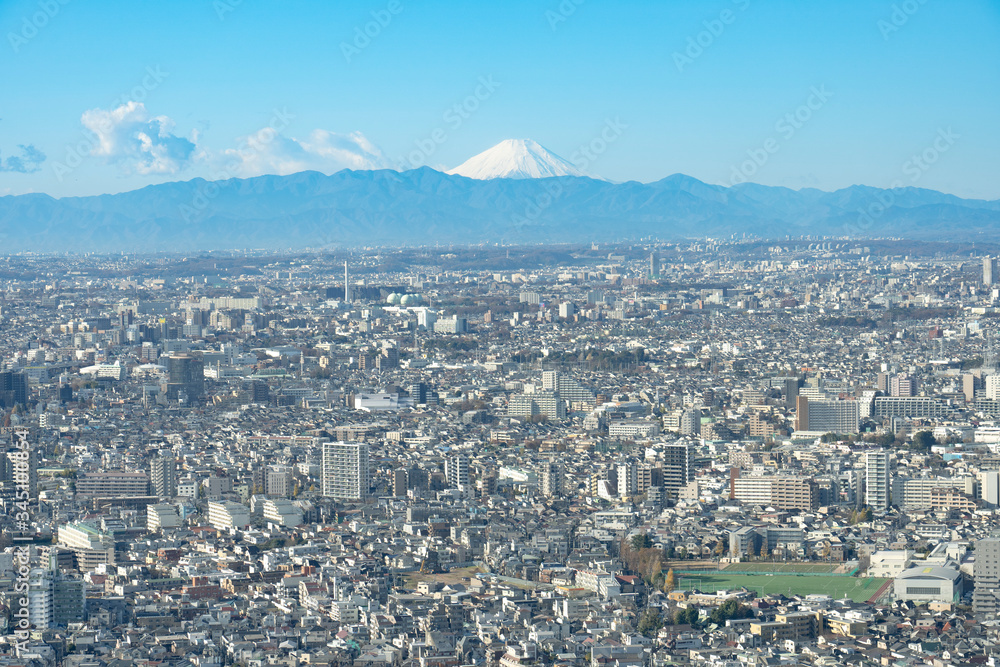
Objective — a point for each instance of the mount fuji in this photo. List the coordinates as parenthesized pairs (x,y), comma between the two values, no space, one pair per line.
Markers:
(516,158)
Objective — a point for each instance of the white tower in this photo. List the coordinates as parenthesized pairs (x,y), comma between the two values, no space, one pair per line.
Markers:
(347,285)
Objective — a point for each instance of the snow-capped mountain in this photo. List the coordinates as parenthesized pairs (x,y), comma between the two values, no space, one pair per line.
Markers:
(516,158)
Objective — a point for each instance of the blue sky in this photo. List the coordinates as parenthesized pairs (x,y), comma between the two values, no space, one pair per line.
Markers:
(119,95)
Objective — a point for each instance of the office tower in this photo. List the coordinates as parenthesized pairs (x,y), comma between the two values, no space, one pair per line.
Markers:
(163,476)
(791,391)
(986,578)
(13,389)
(185,373)
(654,265)
(878,481)
(827,416)
(345,470)
(550,476)
(418,392)
(678,467)
(456,471)
(989,264)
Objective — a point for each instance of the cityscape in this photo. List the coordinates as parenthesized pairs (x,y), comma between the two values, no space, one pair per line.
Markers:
(382,333)
(650,453)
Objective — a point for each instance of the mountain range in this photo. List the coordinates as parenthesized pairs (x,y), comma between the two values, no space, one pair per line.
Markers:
(506,202)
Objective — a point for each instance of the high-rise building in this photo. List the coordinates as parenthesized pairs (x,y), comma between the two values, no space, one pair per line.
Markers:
(345,470)
(628,479)
(185,373)
(993,386)
(13,389)
(903,385)
(827,416)
(986,578)
(278,481)
(550,475)
(456,471)
(654,265)
(878,480)
(568,389)
(347,286)
(54,599)
(989,264)
(163,476)
(547,403)
(678,467)
(399,482)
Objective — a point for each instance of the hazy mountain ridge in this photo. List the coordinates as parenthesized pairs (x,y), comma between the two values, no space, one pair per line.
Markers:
(427,206)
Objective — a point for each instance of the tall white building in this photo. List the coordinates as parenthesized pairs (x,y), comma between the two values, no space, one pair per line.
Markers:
(878,480)
(628,479)
(345,470)
(993,386)
(986,578)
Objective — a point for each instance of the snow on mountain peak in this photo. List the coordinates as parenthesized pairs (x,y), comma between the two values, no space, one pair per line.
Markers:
(516,158)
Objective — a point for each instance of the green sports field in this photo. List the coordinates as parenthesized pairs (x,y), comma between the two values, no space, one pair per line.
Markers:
(777,568)
(857,589)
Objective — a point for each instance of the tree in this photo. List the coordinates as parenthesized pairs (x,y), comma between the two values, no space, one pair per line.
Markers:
(751,552)
(687,616)
(763,550)
(671,582)
(643,541)
(923,441)
(720,547)
(649,622)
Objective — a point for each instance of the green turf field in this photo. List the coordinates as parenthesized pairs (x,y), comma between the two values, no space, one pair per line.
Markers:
(787,584)
(820,568)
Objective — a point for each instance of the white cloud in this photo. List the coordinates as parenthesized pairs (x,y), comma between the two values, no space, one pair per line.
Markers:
(140,143)
(270,152)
